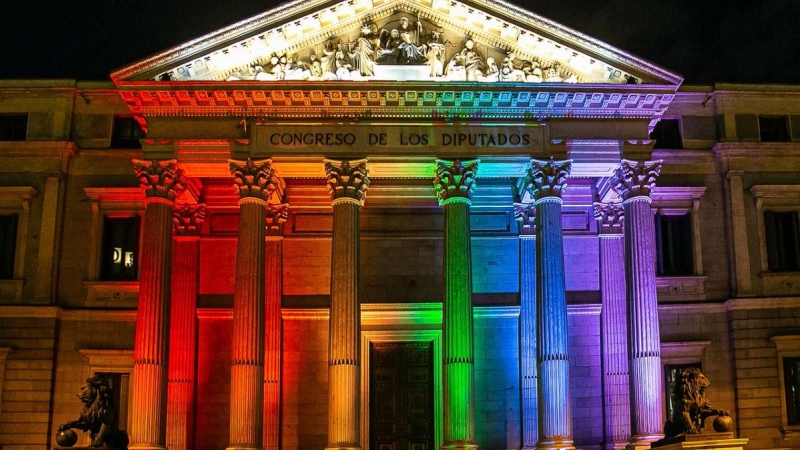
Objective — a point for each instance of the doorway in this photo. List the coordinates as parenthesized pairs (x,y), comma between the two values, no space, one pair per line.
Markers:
(401,391)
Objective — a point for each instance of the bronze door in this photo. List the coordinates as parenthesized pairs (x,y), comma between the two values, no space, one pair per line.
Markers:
(401,396)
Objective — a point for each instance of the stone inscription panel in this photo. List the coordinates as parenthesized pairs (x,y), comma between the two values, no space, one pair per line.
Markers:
(369,139)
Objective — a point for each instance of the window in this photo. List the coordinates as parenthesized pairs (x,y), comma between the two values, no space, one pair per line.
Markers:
(791,389)
(119,385)
(773,129)
(13,127)
(674,245)
(8,245)
(672,379)
(127,133)
(667,134)
(782,233)
(120,249)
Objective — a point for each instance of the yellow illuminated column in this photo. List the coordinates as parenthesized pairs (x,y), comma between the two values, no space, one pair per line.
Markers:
(633,182)
(347,184)
(161,182)
(526,219)
(454,184)
(256,183)
(547,180)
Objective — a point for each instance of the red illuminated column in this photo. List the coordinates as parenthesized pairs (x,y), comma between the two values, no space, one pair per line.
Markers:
(613,326)
(276,216)
(347,183)
(256,183)
(633,182)
(547,181)
(454,183)
(183,326)
(161,182)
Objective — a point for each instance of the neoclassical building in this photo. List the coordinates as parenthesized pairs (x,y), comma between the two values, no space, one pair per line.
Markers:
(386,225)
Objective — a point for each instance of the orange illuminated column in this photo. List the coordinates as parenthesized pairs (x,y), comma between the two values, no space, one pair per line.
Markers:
(633,182)
(454,183)
(276,217)
(183,329)
(347,183)
(161,182)
(526,219)
(547,181)
(256,183)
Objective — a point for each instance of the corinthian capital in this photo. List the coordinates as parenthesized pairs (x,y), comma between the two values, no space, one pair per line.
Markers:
(525,213)
(610,217)
(347,179)
(635,178)
(257,179)
(547,178)
(160,179)
(188,218)
(276,217)
(455,179)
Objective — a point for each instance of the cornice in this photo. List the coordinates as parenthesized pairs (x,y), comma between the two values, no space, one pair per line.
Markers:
(38,149)
(726,150)
(745,304)
(783,191)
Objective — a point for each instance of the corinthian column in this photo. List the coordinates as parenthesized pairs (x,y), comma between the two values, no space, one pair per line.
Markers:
(273,269)
(183,326)
(526,218)
(161,182)
(454,184)
(347,185)
(256,183)
(633,182)
(616,395)
(547,180)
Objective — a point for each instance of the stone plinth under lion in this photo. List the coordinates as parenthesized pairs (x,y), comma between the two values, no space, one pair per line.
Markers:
(686,429)
(97,416)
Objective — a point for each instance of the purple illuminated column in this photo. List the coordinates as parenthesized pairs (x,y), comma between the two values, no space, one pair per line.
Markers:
(616,392)
(633,182)
(547,180)
(454,185)
(183,326)
(347,184)
(256,184)
(161,182)
(273,269)
(526,218)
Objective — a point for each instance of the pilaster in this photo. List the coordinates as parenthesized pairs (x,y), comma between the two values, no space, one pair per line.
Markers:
(634,181)
(741,250)
(546,181)
(161,182)
(347,184)
(454,184)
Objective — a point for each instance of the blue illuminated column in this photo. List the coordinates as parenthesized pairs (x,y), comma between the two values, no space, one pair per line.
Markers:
(454,185)
(633,182)
(257,184)
(547,180)
(347,184)
(526,219)
(616,392)
(162,182)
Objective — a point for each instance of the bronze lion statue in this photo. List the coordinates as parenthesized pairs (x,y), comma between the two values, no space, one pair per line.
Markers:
(98,415)
(693,408)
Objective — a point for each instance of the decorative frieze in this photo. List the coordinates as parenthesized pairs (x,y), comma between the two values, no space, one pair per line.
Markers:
(347,179)
(610,217)
(188,218)
(257,179)
(455,179)
(635,178)
(547,178)
(160,179)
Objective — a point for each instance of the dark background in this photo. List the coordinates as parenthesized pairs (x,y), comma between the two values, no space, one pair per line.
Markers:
(704,41)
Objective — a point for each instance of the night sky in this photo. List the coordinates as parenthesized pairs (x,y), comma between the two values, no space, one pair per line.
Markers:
(705,41)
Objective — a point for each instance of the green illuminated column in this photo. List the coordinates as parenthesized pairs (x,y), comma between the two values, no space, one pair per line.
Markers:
(347,184)
(162,182)
(256,183)
(547,180)
(454,184)
(526,218)
(633,182)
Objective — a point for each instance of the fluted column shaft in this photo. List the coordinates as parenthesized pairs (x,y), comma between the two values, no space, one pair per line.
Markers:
(454,183)
(347,184)
(183,329)
(161,182)
(273,270)
(527,327)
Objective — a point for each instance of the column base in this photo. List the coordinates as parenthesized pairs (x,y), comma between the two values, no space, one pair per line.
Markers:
(556,444)
(146,447)
(458,445)
(340,447)
(642,442)
(244,447)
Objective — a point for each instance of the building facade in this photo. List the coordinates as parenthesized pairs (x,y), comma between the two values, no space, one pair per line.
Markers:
(386,224)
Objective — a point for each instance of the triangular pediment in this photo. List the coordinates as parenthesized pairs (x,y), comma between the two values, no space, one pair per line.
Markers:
(400,40)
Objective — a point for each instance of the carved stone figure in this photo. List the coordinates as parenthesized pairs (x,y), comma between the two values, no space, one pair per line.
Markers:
(98,415)
(435,54)
(693,408)
(465,65)
(364,55)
